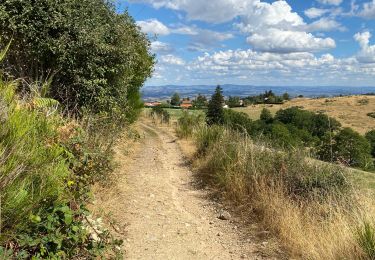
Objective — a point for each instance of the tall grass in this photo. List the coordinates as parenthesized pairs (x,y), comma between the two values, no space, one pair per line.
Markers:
(33,167)
(309,205)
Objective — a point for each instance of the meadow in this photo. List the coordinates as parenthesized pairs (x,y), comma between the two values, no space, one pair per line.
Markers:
(350,111)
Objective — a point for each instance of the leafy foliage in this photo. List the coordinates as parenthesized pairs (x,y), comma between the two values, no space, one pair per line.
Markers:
(347,147)
(99,58)
(175,100)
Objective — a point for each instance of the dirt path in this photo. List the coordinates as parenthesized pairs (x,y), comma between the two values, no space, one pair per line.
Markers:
(160,213)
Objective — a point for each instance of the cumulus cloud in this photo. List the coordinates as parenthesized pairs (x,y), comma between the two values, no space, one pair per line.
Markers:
(257,19)
(313,12)
(171,60)
(324,25)
(276,28)
(161,47)
(368,10)
(217,11)
(153,26)
(274,40)
(367,52)
(330,2)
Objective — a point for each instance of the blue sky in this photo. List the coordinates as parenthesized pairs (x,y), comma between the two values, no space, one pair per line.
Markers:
(254,42)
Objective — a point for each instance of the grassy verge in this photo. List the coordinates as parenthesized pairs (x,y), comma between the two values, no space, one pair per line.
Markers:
(47,166)
(311,206)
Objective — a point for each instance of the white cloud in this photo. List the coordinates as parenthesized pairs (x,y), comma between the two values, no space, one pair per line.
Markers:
(368,10)
(276,28)
(217,11)
(275,40)
(257,19)
(161,47)
(367,52)
(330,2)
(324,25)
(153,26)
(172,60)
(315,12)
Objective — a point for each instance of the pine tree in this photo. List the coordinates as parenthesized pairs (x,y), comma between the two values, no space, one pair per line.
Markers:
(215,112)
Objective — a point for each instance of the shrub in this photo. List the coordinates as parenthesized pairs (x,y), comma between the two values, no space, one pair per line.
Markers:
(34,170)
(238,121)
(266,116)
(347,147)
(99,58)
(187,123)
(161,113)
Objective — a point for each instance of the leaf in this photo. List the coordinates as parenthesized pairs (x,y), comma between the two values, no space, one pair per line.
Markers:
(68,218)
(4,52)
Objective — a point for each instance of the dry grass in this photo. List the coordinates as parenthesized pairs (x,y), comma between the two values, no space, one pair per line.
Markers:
(350,111)
(320,223)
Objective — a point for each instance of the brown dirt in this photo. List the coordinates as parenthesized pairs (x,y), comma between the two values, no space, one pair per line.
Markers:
(156,207)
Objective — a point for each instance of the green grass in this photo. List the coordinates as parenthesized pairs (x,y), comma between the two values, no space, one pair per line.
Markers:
(33,167)
(177,113)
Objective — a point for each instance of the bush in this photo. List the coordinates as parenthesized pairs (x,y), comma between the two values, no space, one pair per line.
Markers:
(34,170)
(161,113)
(98,58)
(187,123)
(266,116)
(347,147)
(238,121)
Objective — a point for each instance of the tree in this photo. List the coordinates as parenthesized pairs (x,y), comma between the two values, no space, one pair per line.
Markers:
(286,96)
(99,58)
(348,147)
(234,102)
(370,136)
(215,112)
(266,116)
(200,101)
(175,100)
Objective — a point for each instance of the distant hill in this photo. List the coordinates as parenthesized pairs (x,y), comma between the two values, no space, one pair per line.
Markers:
(165,92)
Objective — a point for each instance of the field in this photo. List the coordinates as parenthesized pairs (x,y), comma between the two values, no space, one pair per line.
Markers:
(351,111)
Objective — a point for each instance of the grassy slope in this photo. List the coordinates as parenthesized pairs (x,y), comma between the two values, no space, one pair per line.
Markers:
(347,110)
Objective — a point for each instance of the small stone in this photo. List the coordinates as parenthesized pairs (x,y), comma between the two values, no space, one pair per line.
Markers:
(243,256)
(219,234)
(224,215)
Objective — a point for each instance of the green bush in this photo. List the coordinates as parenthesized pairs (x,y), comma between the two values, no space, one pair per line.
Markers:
(238,121)
(99,59)
(347,147)
(33,170)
